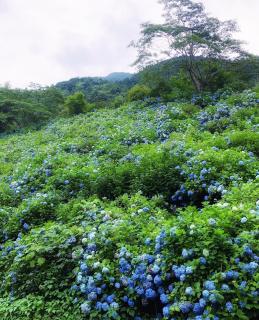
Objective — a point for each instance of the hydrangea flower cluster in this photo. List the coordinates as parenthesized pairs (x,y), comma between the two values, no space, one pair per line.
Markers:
(149,280)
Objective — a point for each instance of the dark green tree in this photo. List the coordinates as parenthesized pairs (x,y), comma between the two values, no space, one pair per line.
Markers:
(75,103)
(190,33)
(16,115)
(138,92)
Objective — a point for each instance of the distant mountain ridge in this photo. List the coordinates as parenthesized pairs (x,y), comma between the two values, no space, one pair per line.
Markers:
(118,76)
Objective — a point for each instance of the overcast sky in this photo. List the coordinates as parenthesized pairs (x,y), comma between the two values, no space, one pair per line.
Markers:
(46,41)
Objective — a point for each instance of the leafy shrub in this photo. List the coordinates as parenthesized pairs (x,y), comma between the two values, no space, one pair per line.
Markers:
(246,140)
(181,87)
(138,92)
(17,114)
(75,103)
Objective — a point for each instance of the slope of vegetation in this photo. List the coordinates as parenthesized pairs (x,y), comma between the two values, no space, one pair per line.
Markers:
(32,108)
(146,211)
(97,90)
(169,80)
(21,109)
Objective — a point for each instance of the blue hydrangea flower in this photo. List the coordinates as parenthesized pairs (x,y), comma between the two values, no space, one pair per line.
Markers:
(157,280)
(105,306)
(98,276)
(92,296)
(185,253)
(166,311)
(250,267)
(202,302)
(182,277)
(170,287)
(131,303)
(213,298)
(164,298)
(114,305)
(205,293)
(83,267)
(150,294)
(140,291)
(105,270)
(188,270)
(229,275)
(225,287)
(155,269)
(161,290)
(209,285)
(185,307)
(197,309)
(212,222)
(147,241)
(229,306)
(243,284)
(243,220)
(98,306)
(189,291)
(71,240)
(85,308)
(248,250)
(26,226)
(110,298)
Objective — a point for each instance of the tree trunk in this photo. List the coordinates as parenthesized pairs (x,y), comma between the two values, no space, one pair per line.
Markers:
(197,83)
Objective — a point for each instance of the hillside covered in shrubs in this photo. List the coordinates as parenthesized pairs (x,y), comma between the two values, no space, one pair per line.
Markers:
(146,211)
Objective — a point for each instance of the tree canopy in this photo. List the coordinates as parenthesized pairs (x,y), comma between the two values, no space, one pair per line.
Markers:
(188,32)
(75,103)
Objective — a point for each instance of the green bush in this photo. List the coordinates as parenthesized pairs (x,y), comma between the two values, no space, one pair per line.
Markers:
(181,87)
(246,140)
(18,114)
(75,104)
(138,92)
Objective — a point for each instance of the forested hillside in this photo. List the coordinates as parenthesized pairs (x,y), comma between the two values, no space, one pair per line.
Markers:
(98,90)
(20,109)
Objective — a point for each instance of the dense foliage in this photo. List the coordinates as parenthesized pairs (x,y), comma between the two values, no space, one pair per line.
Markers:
(169,80)
(189,33)
(100,91)
(146,211)
(28,108)
(75,103)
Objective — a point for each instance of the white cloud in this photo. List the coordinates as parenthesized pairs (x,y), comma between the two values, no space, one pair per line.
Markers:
(46,41)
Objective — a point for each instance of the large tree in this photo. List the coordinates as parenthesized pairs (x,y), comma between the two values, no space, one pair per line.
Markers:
(188,32)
